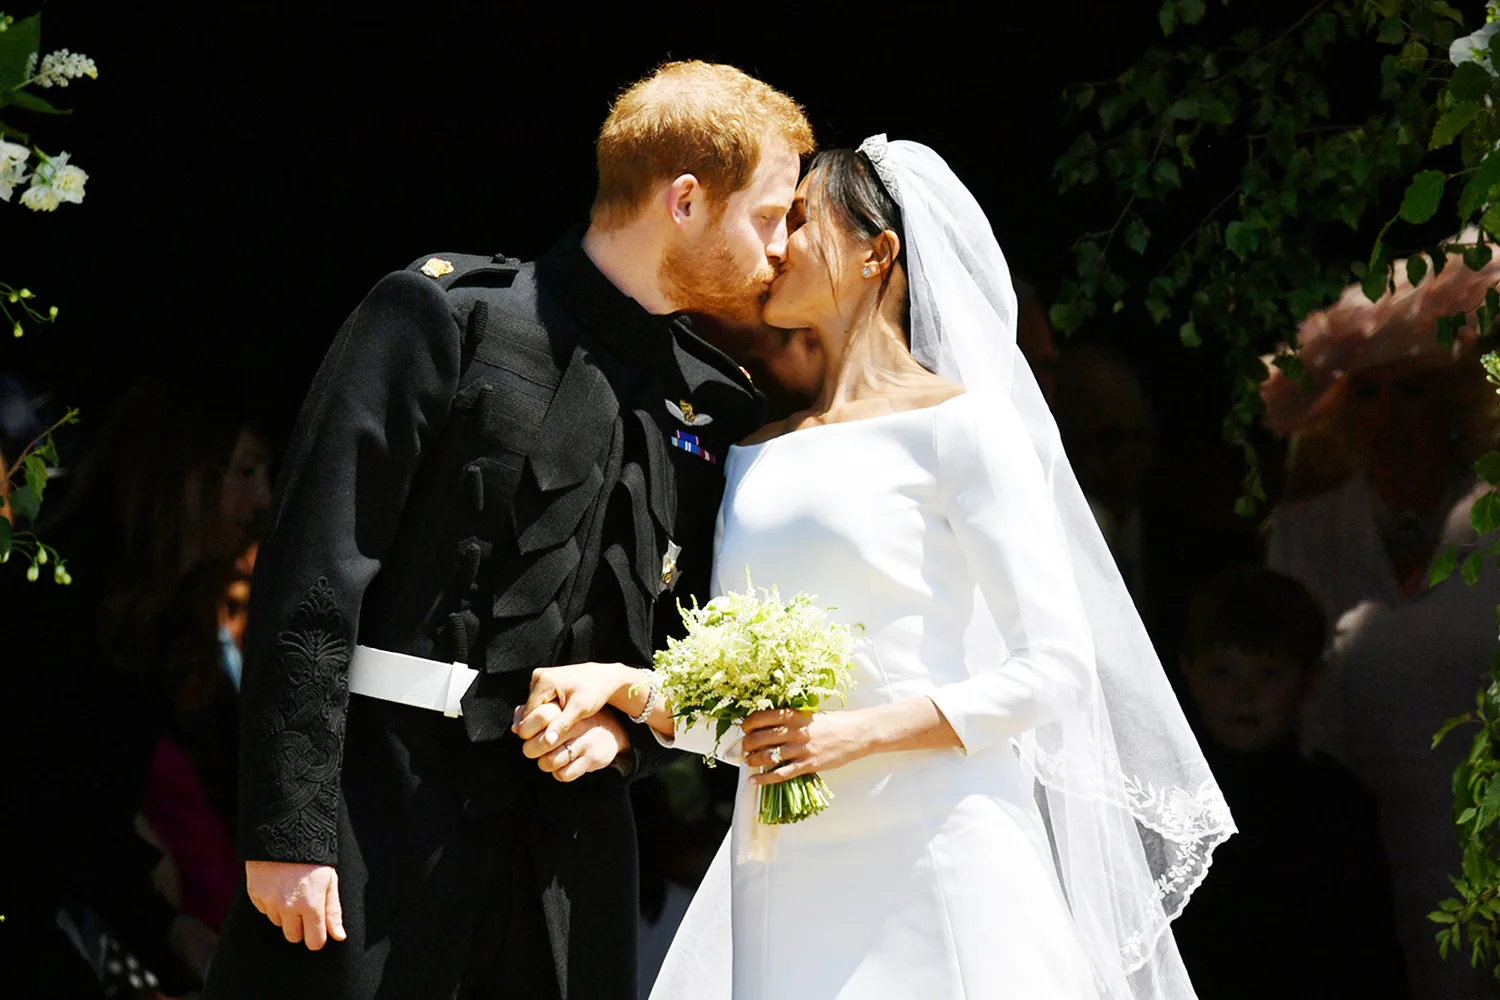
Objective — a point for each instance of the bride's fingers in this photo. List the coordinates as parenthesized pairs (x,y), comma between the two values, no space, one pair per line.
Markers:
(772,717)
(764,738)
(764,758)
(538,721)
(804,765)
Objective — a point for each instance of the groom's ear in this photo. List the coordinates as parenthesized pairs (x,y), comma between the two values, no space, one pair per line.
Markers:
(686,203)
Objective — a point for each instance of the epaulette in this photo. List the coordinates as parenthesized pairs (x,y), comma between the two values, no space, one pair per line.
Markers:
(458,269)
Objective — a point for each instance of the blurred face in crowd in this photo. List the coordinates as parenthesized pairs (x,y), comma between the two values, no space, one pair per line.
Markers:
(1247,701)
(1106,426)
(723,264)
(1402,414)
(244,497)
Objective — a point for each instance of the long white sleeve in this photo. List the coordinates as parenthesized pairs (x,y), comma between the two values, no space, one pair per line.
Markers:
(699,739)
(993,491)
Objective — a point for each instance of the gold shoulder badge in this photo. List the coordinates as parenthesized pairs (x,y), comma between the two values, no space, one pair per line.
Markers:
(436,267)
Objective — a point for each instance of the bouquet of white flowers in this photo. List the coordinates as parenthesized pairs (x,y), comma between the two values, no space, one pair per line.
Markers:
(747,652)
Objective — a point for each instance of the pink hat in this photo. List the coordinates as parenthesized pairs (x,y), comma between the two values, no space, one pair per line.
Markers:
(1355,334)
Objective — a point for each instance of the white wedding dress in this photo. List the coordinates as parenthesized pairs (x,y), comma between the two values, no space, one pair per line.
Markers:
(931,875)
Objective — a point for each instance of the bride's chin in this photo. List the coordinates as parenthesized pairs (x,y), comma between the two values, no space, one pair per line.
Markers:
(775,313)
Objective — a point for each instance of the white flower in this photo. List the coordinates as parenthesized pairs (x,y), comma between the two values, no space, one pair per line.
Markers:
(69,183)
(40,198)
(1476,47)
(54,182)
(61,66)
(13,159)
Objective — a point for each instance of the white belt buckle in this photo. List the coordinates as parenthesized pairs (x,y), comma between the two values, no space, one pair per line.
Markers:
(460,677)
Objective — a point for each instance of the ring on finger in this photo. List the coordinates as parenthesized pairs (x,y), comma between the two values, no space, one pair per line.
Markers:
(568,747)
(776,756)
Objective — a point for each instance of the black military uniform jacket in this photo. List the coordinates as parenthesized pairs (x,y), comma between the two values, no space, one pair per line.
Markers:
(496,464)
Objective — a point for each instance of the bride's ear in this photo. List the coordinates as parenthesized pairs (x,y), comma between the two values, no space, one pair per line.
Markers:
(883,253)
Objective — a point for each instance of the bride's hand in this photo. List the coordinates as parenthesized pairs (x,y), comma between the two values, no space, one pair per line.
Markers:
(591,745)
(580,690)
(809,742)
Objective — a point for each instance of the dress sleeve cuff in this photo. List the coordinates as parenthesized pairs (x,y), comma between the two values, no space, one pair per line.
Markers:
(699,738)
(951,701)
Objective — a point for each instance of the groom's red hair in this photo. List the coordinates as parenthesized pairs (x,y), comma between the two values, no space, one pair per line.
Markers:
(704,119)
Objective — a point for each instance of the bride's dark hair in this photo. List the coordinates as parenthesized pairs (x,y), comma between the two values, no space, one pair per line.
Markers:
(850,191)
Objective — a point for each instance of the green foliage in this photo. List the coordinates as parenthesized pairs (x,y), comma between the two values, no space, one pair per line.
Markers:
(1242,274)
(1301,174)
(26,479)
(49,181)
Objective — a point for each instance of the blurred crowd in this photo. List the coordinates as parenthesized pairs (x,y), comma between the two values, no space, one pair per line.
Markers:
(1308,648)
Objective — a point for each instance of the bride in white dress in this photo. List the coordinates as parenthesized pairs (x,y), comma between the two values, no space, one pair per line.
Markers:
(1019,808)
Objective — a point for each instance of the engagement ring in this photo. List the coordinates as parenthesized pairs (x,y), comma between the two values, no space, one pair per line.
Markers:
(776,756)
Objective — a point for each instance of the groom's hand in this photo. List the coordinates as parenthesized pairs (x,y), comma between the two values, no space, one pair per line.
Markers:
(303,900)
(570,694)
(589,745)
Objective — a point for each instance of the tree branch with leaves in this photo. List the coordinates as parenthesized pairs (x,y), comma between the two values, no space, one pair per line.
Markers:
(46,181)
(1253,258)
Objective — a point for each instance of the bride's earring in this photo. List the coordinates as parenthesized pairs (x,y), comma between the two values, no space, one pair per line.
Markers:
(867,271)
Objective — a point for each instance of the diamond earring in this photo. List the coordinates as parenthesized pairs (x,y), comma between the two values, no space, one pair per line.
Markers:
(867,270)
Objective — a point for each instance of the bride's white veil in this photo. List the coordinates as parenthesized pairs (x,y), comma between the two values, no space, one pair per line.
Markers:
(1131,808)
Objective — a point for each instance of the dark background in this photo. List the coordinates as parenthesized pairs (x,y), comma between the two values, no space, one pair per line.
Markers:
(255,167)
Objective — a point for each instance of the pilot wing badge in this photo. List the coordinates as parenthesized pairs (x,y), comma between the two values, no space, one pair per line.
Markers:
(683,410)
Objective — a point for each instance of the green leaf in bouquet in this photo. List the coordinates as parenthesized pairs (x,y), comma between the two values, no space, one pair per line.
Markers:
(18,44)
(8,132)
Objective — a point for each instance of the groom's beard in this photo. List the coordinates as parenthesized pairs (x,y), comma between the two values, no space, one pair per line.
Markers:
(705,278)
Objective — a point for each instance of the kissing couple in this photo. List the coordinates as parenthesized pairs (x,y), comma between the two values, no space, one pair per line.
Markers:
(507,474)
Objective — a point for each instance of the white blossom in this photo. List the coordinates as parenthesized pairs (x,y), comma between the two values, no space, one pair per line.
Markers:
(54,182)
(13,159)
(69,183)
(61,66)
(1475,47)
(40,198)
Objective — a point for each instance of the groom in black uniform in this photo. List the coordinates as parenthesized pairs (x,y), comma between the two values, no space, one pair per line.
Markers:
(499,466)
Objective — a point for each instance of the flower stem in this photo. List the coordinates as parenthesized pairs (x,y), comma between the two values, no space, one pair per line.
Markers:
(794,800)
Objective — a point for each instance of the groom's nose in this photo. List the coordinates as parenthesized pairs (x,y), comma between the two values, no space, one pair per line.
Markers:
(776,248)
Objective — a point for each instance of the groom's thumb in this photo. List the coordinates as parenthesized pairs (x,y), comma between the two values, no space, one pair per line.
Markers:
(566,720)
(334,912)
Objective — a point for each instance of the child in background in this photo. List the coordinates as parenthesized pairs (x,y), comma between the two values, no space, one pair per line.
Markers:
(1298,904)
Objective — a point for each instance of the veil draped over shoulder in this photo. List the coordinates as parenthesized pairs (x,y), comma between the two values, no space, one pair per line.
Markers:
(1130,806)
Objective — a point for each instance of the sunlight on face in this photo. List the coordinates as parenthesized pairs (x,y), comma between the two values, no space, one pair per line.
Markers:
(822,267)
(727,270)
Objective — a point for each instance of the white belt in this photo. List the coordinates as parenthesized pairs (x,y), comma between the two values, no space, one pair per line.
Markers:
(410,680)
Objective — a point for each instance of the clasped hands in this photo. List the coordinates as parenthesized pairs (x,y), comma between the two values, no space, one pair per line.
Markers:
(569,731)
(569,726)
(566,725)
